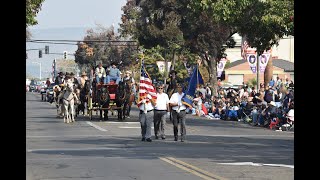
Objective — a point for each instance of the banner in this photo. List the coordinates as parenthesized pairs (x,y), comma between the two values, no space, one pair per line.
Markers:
(264,59)
(252,60)
(220,66)
(161,66)
(195,79)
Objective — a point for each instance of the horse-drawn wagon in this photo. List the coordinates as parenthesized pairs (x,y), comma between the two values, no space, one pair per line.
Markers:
(105,97)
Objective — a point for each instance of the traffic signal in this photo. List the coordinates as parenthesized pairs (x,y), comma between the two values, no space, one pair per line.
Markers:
(40,53)
(46,50)
(64,54)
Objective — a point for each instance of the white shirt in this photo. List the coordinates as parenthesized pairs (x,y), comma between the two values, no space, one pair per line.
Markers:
(148,106)
(176,98)
(162,101)
(100,72)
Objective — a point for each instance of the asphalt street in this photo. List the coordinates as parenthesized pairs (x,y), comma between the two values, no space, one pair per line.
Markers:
(113,150)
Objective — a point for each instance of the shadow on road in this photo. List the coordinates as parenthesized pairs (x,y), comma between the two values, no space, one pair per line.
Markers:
(244,149)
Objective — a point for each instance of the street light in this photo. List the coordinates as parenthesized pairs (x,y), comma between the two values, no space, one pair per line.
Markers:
(40,68)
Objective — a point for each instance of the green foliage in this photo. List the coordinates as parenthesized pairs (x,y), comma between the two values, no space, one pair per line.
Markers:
(32,9)
(107,52)
(205,26)
(252,82)
(227,65)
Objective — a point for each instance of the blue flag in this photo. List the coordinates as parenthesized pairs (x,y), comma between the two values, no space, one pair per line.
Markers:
(195,79)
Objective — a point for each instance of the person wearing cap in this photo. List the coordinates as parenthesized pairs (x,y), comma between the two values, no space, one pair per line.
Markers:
(83,79)
(114,74)
(178,113)
(160,111)
(172,83)
(146,106)
(73,79)
(66,77)
(131,82)
(59,79)
(100,73)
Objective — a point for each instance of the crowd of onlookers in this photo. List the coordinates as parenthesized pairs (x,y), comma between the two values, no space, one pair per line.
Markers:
(271,106)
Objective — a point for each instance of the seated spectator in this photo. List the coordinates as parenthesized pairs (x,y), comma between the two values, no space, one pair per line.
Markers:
(254,114)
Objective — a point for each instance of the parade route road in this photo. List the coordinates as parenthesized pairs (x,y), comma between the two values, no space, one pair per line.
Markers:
(113,150)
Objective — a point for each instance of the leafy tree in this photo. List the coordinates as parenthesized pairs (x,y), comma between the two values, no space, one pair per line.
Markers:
(262,22)
(32,9)
(107,51)
(206,26)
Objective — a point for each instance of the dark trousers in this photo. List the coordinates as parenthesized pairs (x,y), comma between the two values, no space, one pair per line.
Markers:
(159,122)
(179,118)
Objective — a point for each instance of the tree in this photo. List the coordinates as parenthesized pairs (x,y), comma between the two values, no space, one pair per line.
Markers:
(207,26)
(32,9)
(262,22)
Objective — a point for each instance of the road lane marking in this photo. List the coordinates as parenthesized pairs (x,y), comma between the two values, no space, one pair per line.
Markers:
(257,164)
(192,169)
(95,126)
(71,149)
(68,136)
(130,127)
(112,122)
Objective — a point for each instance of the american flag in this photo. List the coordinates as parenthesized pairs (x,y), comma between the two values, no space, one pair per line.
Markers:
(146,85)
(244,47)
(53,73)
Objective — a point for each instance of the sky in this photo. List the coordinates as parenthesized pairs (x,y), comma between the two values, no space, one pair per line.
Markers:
(67,19)
(79,13)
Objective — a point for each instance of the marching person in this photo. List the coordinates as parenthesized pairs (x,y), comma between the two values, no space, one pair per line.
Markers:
(100,73)
(146,116)
(178,113)
(114,74)
(160,111)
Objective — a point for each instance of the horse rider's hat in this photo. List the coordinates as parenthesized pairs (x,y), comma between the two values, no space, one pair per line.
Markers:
(84,74)
(128,72)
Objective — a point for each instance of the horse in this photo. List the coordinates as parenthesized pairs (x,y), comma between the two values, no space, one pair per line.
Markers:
(84,92)
(77,103)
(68,101)
(130,98)
(56,93)
(104,100)
(122,99)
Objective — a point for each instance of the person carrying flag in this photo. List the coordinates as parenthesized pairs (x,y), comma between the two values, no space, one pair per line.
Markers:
(147,101)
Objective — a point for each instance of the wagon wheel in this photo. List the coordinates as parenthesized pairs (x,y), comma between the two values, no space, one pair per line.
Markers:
(89,110)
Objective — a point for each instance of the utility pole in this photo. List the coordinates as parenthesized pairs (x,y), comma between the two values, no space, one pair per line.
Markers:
(258,71)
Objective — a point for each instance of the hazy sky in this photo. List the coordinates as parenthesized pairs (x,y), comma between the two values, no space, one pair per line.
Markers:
(72,17)
(79,13)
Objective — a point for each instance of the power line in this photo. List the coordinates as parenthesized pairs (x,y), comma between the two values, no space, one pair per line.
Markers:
(54,43)
(54,40)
